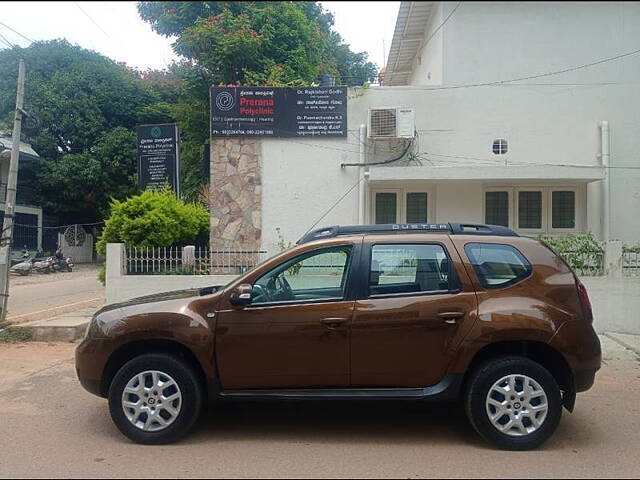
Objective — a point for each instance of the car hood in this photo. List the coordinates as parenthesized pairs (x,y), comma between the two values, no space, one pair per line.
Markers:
(163,297)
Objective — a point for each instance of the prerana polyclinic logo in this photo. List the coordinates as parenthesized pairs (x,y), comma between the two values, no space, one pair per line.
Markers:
(155,132)
(225,101)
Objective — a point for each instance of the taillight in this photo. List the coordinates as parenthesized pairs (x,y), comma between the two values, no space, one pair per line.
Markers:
(587,312)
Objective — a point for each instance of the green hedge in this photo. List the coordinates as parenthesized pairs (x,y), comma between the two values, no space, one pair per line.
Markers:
(155,218)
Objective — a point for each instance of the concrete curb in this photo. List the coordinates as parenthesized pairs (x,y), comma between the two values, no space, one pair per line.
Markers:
(64,328)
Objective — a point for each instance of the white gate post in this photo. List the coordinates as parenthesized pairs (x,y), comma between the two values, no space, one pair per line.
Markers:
(613,258)
(189,256)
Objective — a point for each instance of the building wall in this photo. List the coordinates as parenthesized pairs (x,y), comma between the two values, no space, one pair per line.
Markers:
(302,179)
(551,124)
(492,41)
(236,194)
(428,64)
(544,126)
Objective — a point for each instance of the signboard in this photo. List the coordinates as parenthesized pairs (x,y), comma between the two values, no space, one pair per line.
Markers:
(158,156)
(278,111)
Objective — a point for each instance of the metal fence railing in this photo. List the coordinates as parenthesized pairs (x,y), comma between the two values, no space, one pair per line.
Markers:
(190,261)
(631,263)
(586,264)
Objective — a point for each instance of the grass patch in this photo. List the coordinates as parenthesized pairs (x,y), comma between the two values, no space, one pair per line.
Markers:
(15,335)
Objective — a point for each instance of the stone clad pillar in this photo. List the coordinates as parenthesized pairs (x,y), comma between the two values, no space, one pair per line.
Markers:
(236,194)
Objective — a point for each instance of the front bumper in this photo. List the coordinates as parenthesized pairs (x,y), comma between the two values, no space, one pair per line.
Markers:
(91,358)
(583,380)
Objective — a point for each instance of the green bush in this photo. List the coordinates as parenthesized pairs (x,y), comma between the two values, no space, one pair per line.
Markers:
(102,275)
(574,243)
(155,218)
(15,335)
(581,251)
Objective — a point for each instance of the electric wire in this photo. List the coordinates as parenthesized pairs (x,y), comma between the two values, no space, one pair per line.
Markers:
(92,20)
(7,42)
(16,32)
(533,77)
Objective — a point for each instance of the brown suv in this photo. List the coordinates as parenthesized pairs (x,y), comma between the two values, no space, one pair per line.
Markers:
(415,312)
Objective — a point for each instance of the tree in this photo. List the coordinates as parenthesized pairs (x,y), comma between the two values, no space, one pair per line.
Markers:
(154,219)
(230,40)
(245,43)
(88,106)
(80,185)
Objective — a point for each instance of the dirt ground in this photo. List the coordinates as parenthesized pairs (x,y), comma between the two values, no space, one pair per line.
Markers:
(51,427)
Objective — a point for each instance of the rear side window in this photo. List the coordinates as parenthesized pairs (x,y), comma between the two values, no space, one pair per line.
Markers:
(497,266)
(406,269)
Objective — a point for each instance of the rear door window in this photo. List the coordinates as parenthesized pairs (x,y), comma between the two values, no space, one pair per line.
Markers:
(405,269)
(496,265)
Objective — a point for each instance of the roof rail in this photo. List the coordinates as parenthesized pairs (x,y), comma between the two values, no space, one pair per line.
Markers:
(451,228)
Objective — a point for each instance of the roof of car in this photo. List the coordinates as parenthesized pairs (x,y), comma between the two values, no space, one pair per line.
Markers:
(400,228)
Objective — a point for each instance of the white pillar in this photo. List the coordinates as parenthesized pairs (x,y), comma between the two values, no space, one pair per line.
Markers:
(115,268)
(606,208)
(362,188)
(613,259)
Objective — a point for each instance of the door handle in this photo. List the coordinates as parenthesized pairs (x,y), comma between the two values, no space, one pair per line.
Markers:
(450,317)
(333,323)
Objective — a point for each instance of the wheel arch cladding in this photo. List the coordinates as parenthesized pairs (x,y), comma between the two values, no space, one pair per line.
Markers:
(135,348)
(539,352)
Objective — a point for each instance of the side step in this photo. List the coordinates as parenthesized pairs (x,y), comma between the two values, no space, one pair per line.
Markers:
(447,389)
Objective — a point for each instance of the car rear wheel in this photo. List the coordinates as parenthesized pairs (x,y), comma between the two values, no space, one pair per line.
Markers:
(514,403)
(155,399)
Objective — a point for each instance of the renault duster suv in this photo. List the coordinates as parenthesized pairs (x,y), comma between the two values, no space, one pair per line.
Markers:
(416,312)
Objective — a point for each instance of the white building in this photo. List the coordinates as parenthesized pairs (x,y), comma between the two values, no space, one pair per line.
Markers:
(28,223)
(488,147)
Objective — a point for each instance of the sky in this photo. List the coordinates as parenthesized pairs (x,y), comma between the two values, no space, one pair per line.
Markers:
(115,29)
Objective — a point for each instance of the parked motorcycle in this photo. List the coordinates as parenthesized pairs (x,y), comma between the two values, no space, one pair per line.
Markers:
(23,268)
(61,264)
(43,266)
(25,255)
(32,265)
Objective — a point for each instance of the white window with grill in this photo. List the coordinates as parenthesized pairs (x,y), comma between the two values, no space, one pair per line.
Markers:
(496,207)
(386,207)
(534,210)
(401,205)
(563,209)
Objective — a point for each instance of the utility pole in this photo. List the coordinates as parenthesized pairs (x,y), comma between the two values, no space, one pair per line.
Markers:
(10,202)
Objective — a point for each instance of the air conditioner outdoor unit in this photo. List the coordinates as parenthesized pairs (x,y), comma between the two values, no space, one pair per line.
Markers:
(394,122)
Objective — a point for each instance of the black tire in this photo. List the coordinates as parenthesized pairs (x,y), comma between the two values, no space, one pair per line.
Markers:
(478,388)
(190,389)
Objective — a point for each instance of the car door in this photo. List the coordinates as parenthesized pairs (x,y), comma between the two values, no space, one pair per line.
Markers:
(295,332)
(417,307)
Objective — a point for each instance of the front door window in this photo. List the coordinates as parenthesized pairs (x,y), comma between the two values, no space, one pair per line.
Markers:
(313,277)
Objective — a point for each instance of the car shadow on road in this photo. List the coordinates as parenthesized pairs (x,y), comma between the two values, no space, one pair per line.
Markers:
(335,421)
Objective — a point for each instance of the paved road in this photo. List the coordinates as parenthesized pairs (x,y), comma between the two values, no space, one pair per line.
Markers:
(40,296)
(51,428)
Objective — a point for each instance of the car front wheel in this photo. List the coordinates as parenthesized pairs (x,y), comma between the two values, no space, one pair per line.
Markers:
(155,399)
(514,403)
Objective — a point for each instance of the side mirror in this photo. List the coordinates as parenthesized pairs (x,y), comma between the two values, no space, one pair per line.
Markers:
(241,297)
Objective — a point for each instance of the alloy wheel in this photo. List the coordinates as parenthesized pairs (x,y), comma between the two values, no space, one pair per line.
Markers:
(151,400)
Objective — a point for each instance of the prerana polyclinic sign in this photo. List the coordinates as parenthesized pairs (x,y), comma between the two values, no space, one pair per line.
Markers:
(158,156)
(278,111)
